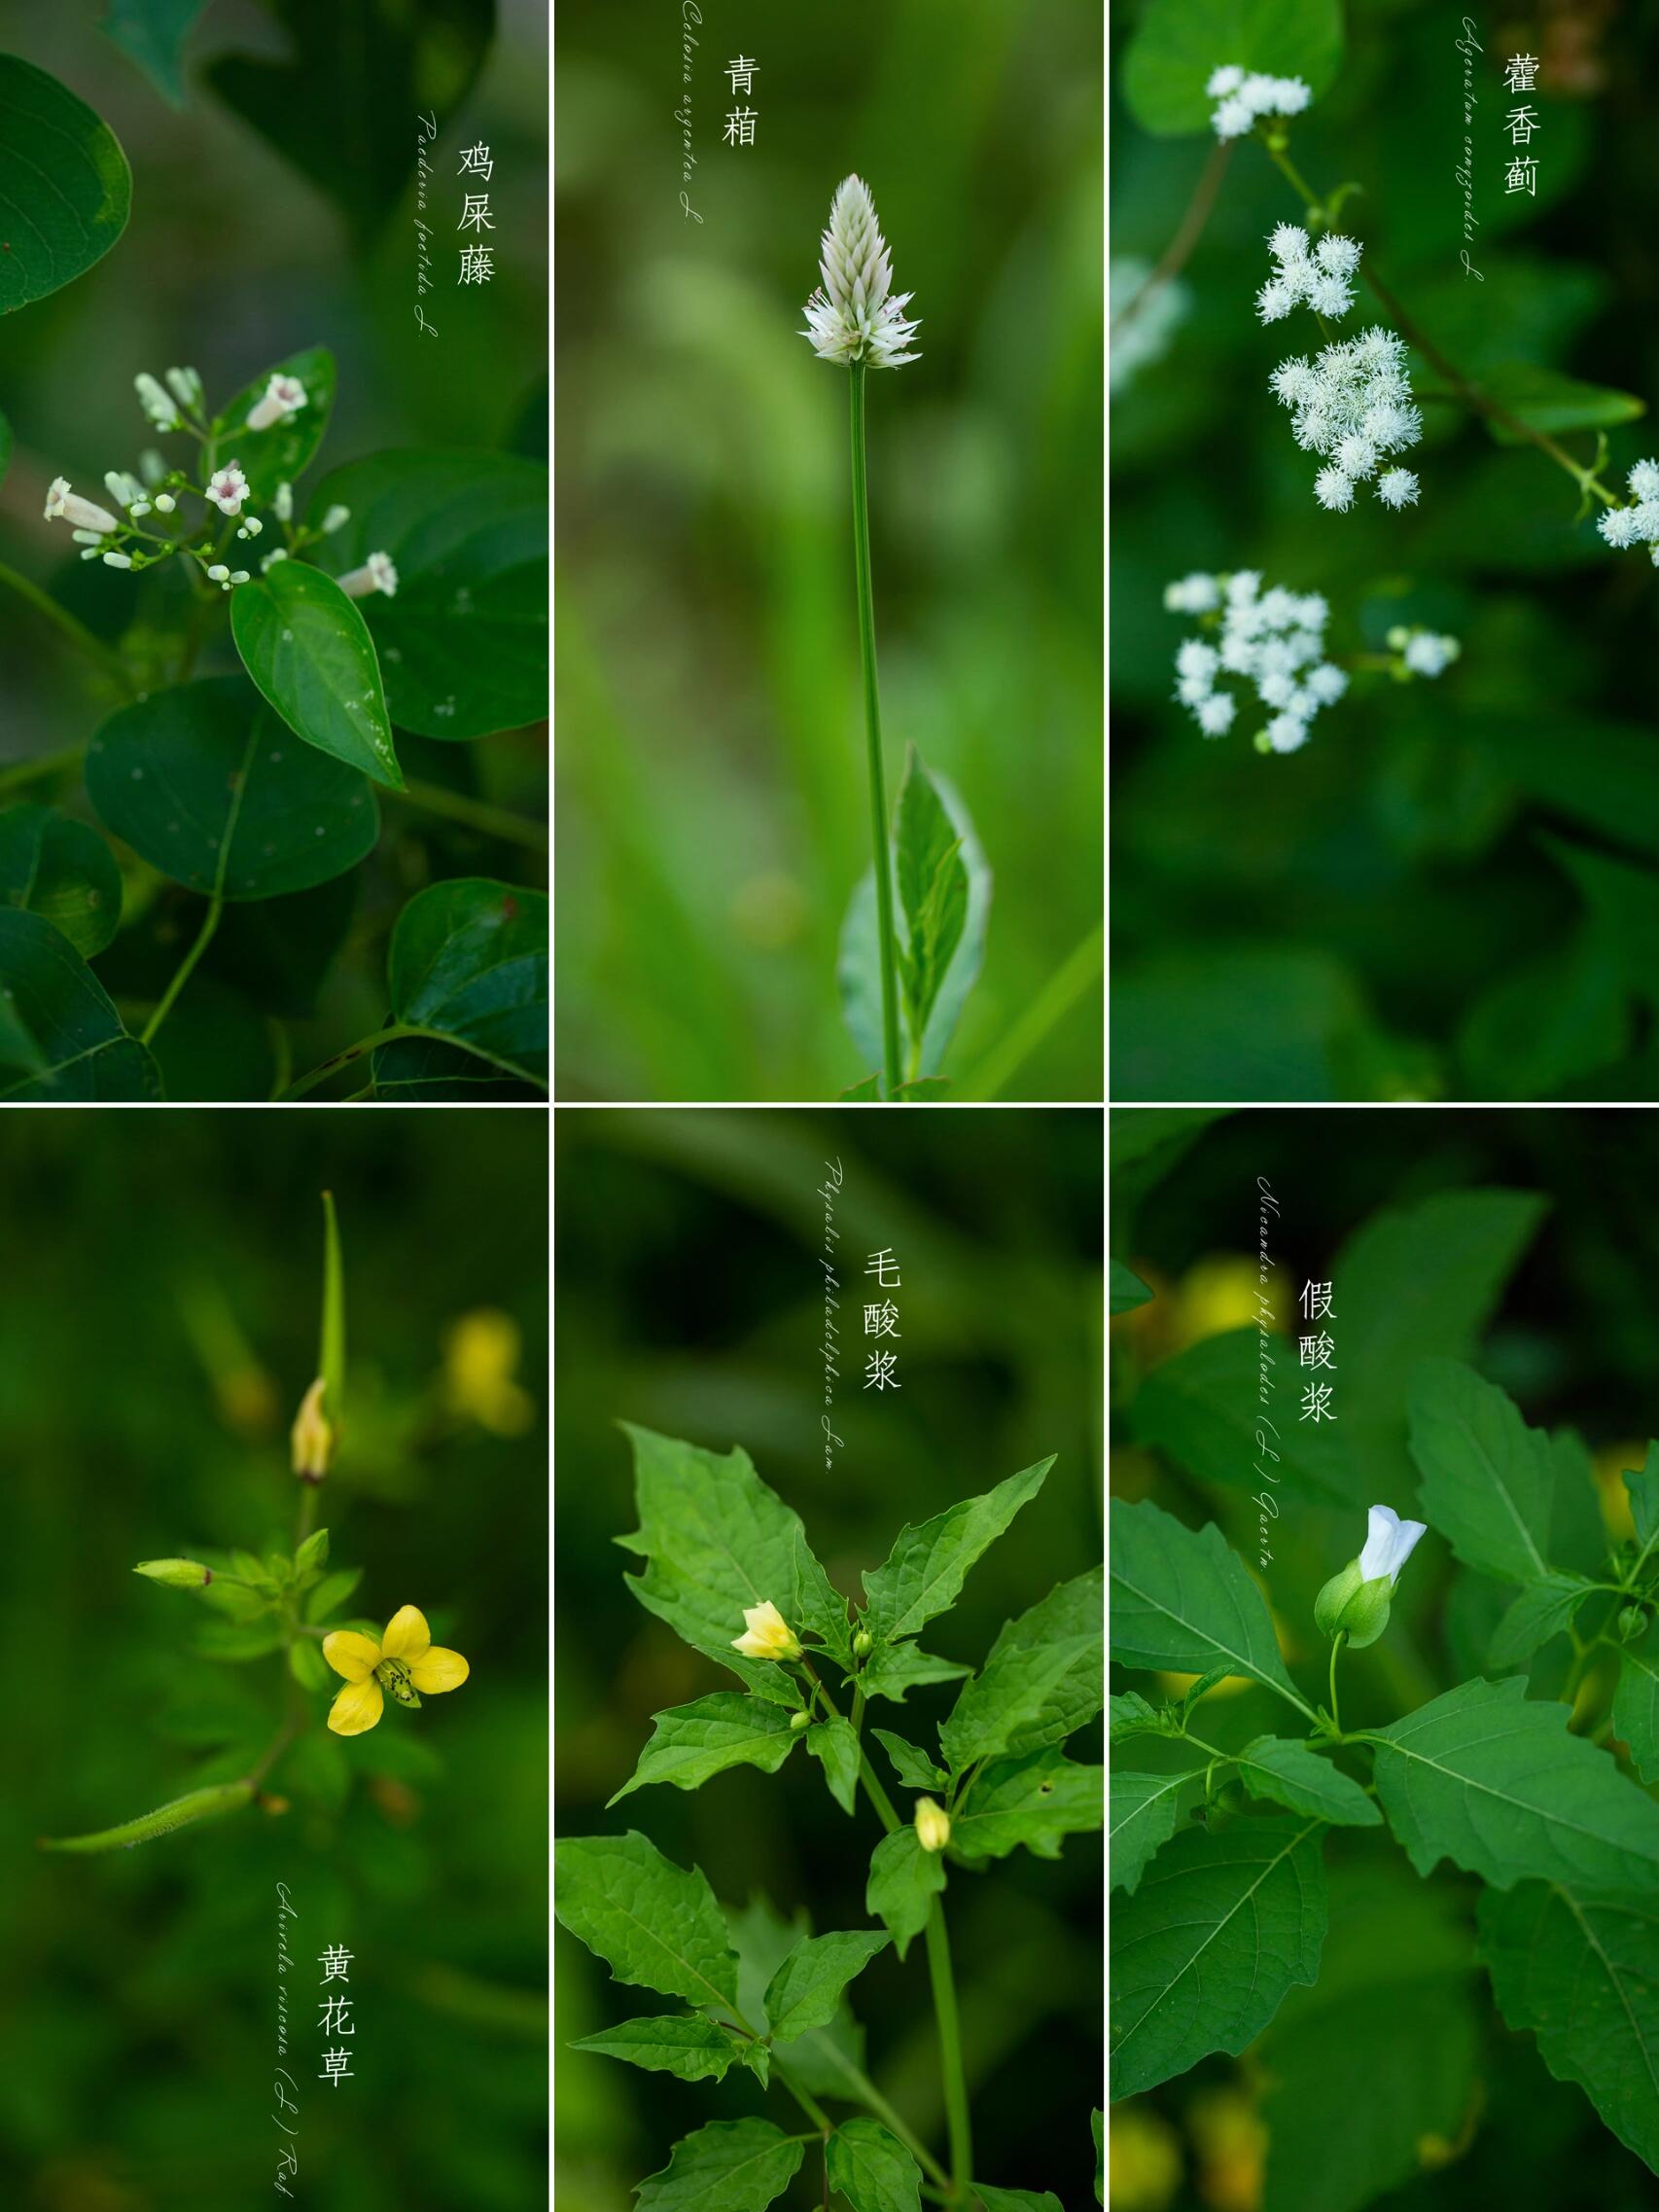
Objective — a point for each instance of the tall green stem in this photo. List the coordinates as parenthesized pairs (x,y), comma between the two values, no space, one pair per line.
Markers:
(182,975)
(950,2052)
(872,734)
(1336,1643)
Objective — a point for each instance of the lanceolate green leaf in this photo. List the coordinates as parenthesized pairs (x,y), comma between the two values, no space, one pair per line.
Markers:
(731,2165)
(1488,1479)
(1636,1709)
(1036,1800)
(718,1539)
(903,1881)
(806,1991)
(872,2170)
(924,1573)
(1490,1779)
(653,1923)
(1146,1811)
(1044,1677)
(1582,1974)
(690,1743)
(305,644)
(686,2045)
(834,1744)
(60,1036)
(1222,1925)
(933,892)
(61,871)
(891,1671)
(66,188)
(468,958)
(1289,1775)
(913,1768)
(1182,1598)
(463,642)
(205,784)
(1543,1609)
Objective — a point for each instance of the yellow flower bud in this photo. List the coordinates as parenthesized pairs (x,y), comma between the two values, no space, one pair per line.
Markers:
(176,1574)
(767,1635)
(312,1436)
(933,1825)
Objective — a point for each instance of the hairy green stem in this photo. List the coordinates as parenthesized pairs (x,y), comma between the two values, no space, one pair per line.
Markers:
(198,1804)
(950,2051)
(1190,230)
(75,631)
(813,2110)
(872,732)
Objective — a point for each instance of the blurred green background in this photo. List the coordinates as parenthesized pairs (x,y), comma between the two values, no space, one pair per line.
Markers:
(238,253)
(1558,1309)
(713,808)
(1413,904)
(158,1326)
(690,1300)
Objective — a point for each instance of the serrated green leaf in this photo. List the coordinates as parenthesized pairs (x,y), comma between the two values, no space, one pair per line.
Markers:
(1146,1811)
(307,647)
(468,958)
(66,188)
(913,1768)
(655,1924)
(1636,1710)
(1182,1598)
(1490,1779)
(1203,1954)
(1581,1972)
(332,1593)
(1488,1479)
(1129,1715)
(691,1744)
(834,1744)
(1036,1800)
(1044,1677)
(1018,2199)
(60,1036)
(806,1991)
(903,1881)
(891,1670)
(1128,1291)
(872,2170)
(924,1573)
(61,871)
(688,2046)
(826,2062)
(757,2057)
(1544,1609)
(730,2165)
(1179,43)
(1291,1775)
(718,1539)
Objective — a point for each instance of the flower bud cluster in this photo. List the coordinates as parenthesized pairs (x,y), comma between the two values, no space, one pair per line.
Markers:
(1275,639)
(1351,404)
(1242,96)
(1637,524)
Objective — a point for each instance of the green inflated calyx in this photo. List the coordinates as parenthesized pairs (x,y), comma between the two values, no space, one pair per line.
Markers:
(175,1574)
(1354,1609)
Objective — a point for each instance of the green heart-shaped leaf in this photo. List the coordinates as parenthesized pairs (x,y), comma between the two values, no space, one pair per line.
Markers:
(60,1036)
(305,644)
(63,871)
(468,960)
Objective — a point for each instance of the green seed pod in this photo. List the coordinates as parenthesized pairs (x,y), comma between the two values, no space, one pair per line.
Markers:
(176,1574)
(863,1643)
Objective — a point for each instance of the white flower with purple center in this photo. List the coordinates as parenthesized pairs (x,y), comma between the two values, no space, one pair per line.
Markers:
(228,488)
(65,506)
(284,397)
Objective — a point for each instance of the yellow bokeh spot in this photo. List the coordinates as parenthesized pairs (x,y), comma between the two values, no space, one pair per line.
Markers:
(1610,1466)
(1143,2161)
(1177,1685)
(480,1361)
(1229,2139)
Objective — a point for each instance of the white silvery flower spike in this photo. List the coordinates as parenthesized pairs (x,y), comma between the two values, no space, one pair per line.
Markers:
(66,506)
(228,488)
(1355,1603)
(855,316)
(284,397)
(378,573)
(767,1635)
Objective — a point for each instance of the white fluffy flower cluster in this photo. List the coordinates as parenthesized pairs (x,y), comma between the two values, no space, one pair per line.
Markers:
(1275,639)
(1351,404)
(1424,651)
(1242,96)
(1637,524)
(1320,278)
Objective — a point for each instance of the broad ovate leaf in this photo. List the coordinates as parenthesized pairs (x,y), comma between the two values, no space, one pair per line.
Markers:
(1146,1811)
(63,872)
(206,784)
(60,1036)
(305,644)
(463,642)
(1289,1773)
(1178,44)
(469,960)
(1034,1800)
(737,2165)
(872,2170)
(66,188)
(806,1991)
(903,1881)
(1183,1599)
(1487,1481)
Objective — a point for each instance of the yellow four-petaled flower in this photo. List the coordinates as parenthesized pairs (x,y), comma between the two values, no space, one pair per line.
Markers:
(403,1663)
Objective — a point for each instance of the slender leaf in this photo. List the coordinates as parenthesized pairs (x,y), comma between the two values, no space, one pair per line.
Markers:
(913,1768)
(1293,1775)
(685,2044)
(924,1573)
(691,1744)
(806,1991)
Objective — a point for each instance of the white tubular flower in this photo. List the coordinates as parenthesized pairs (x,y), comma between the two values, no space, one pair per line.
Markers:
(64,505)
(855,316)
(334,519)
(186,386)
(155,402)
(124,490)
(933,1825)
(284,397)
(767,1635)
(1389,1542)
(117,560)
(228,488)
(283,502)
(378,573)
